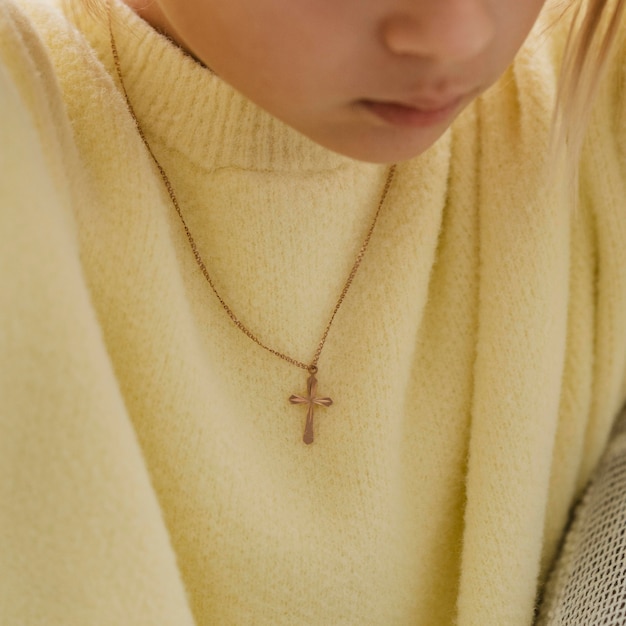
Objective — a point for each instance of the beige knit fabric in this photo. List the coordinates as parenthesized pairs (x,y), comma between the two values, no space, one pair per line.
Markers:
(588,584)
(152,471)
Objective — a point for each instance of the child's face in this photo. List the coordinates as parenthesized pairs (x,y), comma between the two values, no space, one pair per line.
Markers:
(377,80)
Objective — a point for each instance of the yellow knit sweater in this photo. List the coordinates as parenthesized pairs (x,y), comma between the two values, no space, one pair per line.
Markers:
(151,466)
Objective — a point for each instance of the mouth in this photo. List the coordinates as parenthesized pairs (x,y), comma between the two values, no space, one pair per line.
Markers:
(413,115)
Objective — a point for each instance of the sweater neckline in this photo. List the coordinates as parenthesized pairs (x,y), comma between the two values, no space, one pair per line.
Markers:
(186,107)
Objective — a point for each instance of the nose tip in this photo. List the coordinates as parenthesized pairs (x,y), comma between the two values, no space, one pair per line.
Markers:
(445,30)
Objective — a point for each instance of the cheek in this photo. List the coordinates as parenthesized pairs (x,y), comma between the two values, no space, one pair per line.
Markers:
(252,30)
(516,19)
(284,69)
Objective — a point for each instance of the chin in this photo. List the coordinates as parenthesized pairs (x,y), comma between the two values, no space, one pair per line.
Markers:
(382,145)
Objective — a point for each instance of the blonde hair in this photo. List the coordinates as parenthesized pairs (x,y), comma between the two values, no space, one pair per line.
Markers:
(592,39)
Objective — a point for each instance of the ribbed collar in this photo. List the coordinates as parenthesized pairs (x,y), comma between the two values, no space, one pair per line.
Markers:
(185,106)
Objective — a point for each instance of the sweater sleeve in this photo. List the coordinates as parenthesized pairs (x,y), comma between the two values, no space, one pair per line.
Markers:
(82,537)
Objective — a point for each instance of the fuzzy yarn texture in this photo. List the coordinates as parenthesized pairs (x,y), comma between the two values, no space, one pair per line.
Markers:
(152,469)
(588,583)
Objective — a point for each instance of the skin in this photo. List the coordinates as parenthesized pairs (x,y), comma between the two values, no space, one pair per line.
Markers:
(375,80)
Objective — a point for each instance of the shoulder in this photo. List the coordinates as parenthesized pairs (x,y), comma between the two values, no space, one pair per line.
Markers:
(32,109)
(23,28)
(38,158)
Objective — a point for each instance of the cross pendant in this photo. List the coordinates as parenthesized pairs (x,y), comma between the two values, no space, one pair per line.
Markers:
(311,399)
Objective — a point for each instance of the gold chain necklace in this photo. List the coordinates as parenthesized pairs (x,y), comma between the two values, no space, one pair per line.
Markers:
(311,399)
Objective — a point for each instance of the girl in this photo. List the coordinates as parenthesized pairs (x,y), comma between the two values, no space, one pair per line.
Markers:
(252,373)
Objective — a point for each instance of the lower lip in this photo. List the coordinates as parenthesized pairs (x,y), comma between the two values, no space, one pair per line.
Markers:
(409,117)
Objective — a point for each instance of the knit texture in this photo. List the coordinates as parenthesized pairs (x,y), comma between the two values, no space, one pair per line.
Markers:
(588,582)
(152,466)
